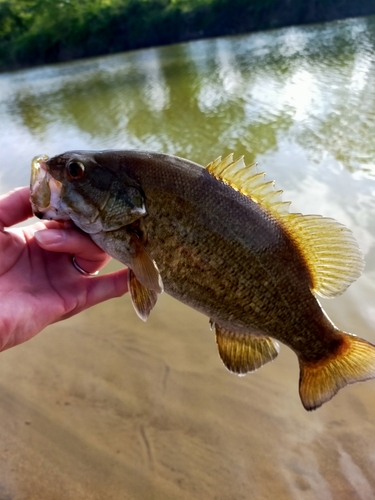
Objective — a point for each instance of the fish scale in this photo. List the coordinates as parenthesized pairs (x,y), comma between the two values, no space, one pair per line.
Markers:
(221,240)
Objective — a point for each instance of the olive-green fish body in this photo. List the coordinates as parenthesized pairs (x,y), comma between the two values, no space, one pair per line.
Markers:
(220,240)
(221,253)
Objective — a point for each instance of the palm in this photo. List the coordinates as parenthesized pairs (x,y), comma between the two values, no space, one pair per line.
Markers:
(39,287)
(33,281)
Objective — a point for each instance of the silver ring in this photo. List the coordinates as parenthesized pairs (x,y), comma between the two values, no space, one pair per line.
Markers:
(80,270)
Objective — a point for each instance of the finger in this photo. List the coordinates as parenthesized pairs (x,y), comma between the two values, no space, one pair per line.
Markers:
(87,254)
(15,207)
(104,288)
(107,287)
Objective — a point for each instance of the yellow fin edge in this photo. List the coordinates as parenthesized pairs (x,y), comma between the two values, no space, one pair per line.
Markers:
(242,353)
(320,381)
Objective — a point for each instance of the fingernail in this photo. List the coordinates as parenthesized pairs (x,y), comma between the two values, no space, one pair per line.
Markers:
(49,236)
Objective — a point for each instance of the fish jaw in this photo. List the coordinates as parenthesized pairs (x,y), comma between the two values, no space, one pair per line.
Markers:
(57,194)
(45,192)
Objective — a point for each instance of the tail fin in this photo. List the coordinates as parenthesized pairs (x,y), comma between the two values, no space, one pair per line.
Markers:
(321,380)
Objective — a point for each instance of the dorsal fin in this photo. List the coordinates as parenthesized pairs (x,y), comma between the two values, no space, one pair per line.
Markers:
(329,249)
(249,182)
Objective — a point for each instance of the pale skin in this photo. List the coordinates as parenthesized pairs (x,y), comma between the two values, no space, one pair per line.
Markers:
(38,283)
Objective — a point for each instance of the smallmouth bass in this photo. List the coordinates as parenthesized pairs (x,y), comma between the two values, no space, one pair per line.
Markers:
(221,240)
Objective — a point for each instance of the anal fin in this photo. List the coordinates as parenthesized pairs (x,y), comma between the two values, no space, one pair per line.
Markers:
(244,352)
(143,299)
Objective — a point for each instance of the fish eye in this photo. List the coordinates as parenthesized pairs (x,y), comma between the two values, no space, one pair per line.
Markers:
(75,169)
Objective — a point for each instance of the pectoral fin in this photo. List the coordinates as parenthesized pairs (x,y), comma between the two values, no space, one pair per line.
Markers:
(144,267)
(243,353)
(143,299)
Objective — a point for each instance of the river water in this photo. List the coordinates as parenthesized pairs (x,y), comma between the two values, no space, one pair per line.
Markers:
(104,406)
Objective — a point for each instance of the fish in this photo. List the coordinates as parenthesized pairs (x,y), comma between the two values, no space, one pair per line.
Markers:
(221,240)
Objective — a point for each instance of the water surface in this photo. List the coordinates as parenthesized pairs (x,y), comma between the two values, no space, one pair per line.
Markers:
(104,406)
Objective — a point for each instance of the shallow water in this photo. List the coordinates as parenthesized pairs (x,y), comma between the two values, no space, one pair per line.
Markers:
(104,406)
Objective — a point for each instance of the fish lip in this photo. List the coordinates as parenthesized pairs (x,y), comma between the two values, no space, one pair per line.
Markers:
(41,194)
(38,187)
(38,214)
(37,163)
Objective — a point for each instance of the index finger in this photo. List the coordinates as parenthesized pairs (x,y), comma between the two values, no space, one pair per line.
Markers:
(15,207)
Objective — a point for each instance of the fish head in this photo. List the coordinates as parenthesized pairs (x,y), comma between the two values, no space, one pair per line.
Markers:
(75,186)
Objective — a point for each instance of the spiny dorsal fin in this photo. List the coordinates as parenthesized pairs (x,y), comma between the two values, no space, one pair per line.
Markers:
(328,248)
(249,182)
(243,353)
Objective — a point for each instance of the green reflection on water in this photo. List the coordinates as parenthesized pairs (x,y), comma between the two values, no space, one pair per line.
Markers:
(311,85)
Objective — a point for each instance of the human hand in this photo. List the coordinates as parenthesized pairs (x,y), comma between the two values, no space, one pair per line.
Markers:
(38,283)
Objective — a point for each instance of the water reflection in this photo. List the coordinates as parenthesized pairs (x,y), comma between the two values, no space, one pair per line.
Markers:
(312,84)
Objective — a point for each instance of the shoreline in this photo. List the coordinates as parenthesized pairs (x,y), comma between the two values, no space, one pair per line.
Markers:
(146,24)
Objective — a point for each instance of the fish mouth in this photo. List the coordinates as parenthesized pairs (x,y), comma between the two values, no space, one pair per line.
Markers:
(45,191)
